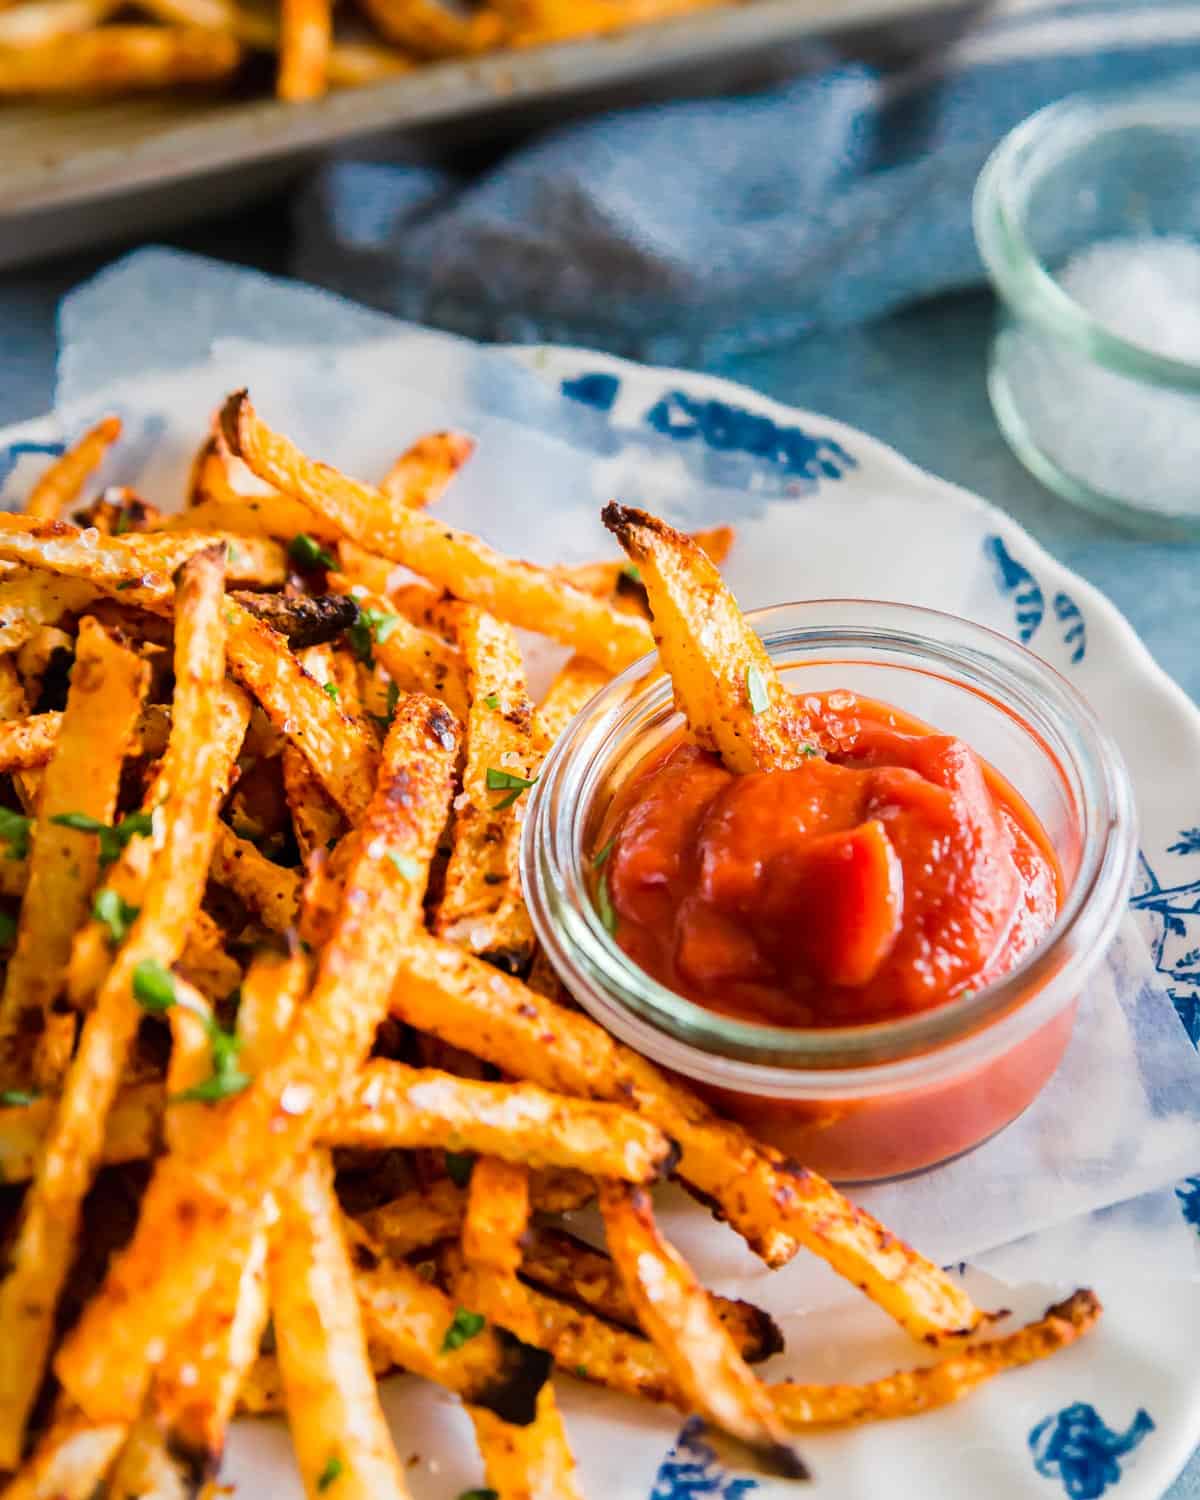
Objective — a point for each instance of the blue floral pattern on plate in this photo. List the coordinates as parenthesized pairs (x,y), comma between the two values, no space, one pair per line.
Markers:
(1077,1447)
(691,1471)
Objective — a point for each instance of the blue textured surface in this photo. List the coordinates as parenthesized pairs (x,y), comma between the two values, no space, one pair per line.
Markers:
(1078,1448)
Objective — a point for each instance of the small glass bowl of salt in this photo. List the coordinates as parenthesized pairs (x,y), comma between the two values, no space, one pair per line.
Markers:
(1088,219)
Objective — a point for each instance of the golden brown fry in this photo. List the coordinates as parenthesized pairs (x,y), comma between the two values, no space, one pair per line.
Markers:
(200,767)
(131,1132)
(547,21)
(205,963)
(575,685)
(677,1316)
(513,591)
(432,29)
(146,1467)
(337,748)
(117,59)
(46,20)
(621,581)
(774,1203)
(482,906)
(389,1104)
(31,598)
(305,38)
(108,684)
(26,743)
(187,1214)
(422,473)
(70,1460)
(725,682)
(267,889)
(527,1463)
(316,821)
(333,1408)
(568,1267)
(66,476)
(416,660)
(353,64)
(497,1220)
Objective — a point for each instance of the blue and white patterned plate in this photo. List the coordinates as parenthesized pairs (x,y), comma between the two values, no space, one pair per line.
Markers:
(822,510)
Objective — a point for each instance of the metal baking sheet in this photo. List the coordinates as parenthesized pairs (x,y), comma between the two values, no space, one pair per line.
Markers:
(78,173)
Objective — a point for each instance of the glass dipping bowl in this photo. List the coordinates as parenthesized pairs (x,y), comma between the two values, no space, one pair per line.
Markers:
(1104,421)
(865,1102)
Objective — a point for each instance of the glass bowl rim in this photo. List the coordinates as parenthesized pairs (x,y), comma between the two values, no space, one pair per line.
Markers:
(1019,274)
(894,1053)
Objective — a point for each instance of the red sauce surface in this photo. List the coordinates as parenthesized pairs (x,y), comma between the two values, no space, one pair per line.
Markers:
(895,874)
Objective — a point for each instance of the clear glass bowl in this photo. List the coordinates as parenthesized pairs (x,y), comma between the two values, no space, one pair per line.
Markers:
(864,1102)
(1104,421)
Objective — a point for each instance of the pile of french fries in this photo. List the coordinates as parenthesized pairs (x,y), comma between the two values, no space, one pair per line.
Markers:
(290,1099)
(121,46)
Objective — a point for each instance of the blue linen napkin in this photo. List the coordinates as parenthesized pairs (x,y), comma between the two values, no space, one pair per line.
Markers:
(688,231)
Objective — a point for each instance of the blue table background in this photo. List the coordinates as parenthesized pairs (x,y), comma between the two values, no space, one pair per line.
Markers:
(914,380)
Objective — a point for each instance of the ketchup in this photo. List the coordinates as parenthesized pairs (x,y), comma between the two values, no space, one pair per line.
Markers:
(893,874)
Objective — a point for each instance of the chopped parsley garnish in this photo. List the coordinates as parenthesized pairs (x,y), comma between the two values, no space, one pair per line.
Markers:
(307,553)
(17,1098)
(459,1165)
(466,1325)
(600,859)
(8,929)
(127,583)
(112,839)
(406,864)
(604,906)
(122,523)
(581,1371)
(153,986)
(115,914)
(807,750)
(330,1474)
(492,700)
(756,690)
(330,689)
(216,1087)
(372,625)
(14,830)
(498,781)
(632,572)
(480,1495)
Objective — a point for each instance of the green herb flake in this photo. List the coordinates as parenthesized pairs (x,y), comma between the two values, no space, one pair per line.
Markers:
(484,1494)
(601,859)
(756,690)
(8,930)
(498,781)
(153,986)
(330,1474)
(115,914)
(14,830)
(122,523)
(372,625)
(127,583)
(604,906)
(459,1165)
(581,1371)
(112,839)
(809,750)
(466,1325)
(218,1086)
(307,553)
(492,700)
(632,572)
(17,1098)
(406,864)
(330,689)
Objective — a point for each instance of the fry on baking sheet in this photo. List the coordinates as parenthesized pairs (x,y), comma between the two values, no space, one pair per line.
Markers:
(482,906)
(434,29)
(79,794)
(514,591)
(724,680)
(118,59)
(305,38)
(186,1216)
(60,485)
(200,769)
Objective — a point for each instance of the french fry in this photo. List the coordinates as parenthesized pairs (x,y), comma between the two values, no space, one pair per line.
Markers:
(775,1204)
(513,591)
(432,29)
(482,906)
(422,473)
(28,743)
(70,1460)
(354,64)
(31,598)
(567,1267)
(268,889)
(137,569)
(60,485)
(200,769)
(337,1425)
(417,661)
(47,20)
(676,1314)
(131,1132)
(497,1218)
(389,1104)
(574,685)
(204,962)
(622,579)
(724,680)
(304,620)
(186,1214)
(117,59)
(338,749)
(305,38)
(316,821)
(82,780)
(527,1463)
(146,1467)
(551,21)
